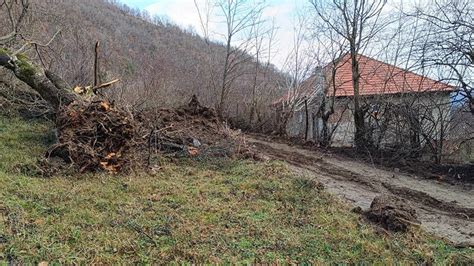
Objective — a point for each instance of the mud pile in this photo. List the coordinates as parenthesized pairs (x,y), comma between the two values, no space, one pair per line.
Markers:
(392,213)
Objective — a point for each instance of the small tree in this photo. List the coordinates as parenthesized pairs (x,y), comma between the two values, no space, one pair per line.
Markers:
(356,22)
(239,17)
(299,65)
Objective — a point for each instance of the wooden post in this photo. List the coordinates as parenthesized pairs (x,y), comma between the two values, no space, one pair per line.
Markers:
(307,120)
(96,64)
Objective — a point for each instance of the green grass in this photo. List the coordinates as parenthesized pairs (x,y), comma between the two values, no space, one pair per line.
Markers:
(209,211)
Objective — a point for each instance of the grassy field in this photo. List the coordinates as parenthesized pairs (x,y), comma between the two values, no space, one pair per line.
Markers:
(195,211)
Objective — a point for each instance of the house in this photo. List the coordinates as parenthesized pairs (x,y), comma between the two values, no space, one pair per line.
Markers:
(396,103)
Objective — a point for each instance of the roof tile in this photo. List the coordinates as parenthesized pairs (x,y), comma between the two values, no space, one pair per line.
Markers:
(377,77)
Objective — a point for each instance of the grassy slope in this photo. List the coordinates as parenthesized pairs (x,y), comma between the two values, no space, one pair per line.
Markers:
(196,211)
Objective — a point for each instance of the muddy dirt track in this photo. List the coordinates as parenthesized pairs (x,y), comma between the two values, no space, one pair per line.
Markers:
(443,209)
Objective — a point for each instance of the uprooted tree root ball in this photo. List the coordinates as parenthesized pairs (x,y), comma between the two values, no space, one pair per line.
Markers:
(99,136)
(392,213)
(94,136)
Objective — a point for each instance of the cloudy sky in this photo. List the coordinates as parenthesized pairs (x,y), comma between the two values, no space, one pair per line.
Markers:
(184,13)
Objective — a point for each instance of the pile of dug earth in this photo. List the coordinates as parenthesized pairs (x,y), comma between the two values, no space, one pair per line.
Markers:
(98,136)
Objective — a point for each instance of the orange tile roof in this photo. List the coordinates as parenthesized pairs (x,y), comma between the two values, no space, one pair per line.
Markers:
(377,77)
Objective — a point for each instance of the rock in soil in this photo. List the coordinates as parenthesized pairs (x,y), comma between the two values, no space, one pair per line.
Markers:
(391,213)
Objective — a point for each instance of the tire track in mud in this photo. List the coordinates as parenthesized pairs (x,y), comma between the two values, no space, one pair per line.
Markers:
(310,163)
(445,218)
(425,199)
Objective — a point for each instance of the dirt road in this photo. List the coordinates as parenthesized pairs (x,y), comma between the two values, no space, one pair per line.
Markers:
(443,209)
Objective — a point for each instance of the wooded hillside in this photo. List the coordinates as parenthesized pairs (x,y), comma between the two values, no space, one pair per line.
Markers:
(159,63)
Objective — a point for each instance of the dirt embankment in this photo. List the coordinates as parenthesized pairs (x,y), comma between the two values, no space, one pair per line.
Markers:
(443,209)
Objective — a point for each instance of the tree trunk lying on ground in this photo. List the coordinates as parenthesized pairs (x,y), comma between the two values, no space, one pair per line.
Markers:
(50,86)
(92,135)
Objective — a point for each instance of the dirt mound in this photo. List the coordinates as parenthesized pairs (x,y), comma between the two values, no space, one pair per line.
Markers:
(195,130)
(98,136)
(392,213)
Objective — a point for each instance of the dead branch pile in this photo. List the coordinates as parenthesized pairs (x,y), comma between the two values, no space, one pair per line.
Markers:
(94,136)
(392,213)
(98,136)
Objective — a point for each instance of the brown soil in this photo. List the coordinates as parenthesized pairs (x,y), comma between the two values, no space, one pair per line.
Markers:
(392,213)
(451,173)
(426,199)
(443,209)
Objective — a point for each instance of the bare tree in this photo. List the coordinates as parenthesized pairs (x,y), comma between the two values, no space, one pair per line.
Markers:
(15,13)
(240,17)
(262,41)
(299,66)
(328,49)
(356,22)
(446,42)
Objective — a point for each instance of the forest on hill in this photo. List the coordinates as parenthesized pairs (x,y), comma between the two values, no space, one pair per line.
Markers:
(159,63)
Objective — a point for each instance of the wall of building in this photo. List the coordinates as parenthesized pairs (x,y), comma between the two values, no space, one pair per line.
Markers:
(343,121)
(437,104)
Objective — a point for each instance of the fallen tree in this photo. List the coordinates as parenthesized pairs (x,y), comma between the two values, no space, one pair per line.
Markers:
(49,85)
(91,134)
(94,135)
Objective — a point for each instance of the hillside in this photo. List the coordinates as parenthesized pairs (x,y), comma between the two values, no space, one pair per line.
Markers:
(164,164)
(159,63)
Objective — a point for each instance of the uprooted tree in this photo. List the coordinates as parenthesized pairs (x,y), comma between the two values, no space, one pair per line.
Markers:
(93,134)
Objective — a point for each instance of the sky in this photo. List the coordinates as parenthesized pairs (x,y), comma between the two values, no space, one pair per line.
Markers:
(184,13)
